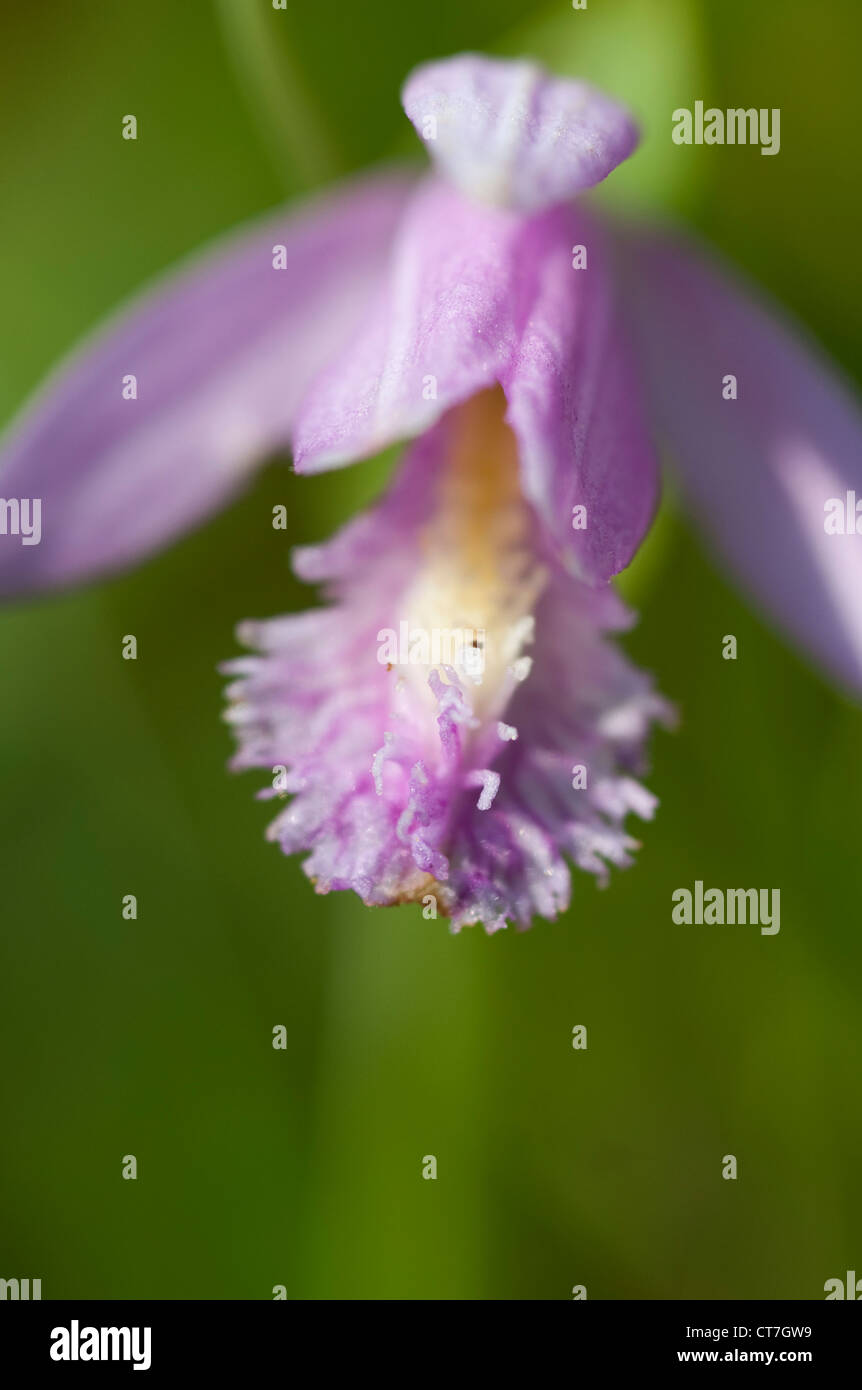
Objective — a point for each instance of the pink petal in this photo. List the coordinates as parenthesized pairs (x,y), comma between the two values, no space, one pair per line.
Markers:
(384,769)
(477,295)
(575,403)
(760,470)
(509,133)
(222,352)
(439,330)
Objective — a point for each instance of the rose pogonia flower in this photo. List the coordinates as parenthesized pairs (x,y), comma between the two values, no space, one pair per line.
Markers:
(458,721)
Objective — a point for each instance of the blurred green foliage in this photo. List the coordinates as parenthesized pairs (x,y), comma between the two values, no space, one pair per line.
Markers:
(259,1167)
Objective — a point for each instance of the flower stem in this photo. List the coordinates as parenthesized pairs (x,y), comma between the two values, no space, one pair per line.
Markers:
(271,79)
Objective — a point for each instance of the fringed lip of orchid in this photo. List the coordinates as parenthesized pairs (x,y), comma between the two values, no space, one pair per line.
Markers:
(530,354)
(449,783)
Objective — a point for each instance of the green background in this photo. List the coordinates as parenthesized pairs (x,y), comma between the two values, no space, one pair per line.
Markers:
(303,1167)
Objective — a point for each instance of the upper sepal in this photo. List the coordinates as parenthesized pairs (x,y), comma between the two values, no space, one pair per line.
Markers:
(511,134)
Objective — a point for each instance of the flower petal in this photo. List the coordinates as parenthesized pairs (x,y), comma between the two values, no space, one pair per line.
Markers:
(511,134)
(443,325)
(574,396)
(760,470)
(476,296)
(221,353)
(412,779)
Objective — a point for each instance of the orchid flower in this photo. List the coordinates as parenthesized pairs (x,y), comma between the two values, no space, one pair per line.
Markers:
(531,353)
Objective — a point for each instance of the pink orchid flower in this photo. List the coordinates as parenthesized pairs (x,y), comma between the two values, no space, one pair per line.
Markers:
(530,352)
